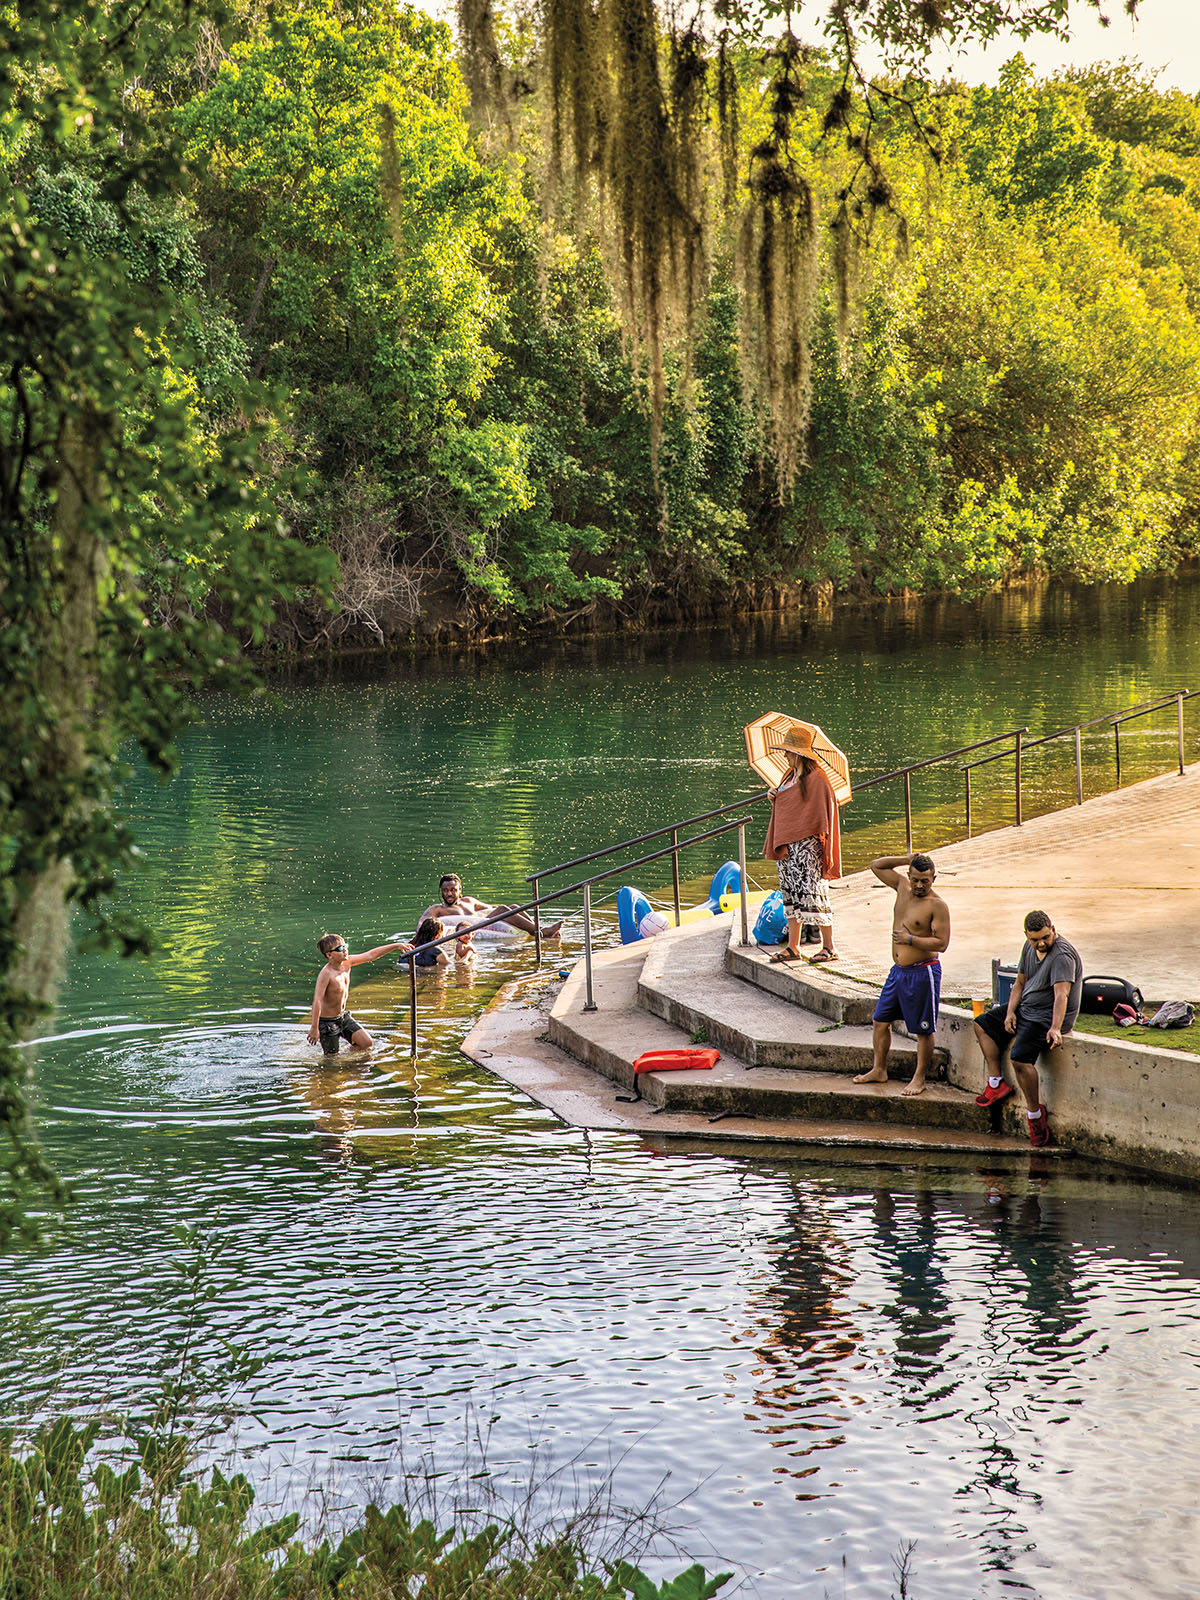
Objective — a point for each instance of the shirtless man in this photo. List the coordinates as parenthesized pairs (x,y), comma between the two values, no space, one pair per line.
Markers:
(920,932)
(331,1020)
(457,908)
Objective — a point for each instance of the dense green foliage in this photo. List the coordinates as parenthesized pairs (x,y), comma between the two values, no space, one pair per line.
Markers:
(132,503)
(1015,391)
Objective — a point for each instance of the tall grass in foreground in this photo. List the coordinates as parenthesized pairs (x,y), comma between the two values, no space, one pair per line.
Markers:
(76,1529)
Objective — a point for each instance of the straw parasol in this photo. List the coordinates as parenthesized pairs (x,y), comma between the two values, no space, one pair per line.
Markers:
(765,736)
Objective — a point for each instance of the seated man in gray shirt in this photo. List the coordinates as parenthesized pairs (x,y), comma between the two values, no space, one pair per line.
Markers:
(1042,1007)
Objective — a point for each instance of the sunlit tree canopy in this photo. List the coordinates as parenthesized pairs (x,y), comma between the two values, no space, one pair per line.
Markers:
(689,136)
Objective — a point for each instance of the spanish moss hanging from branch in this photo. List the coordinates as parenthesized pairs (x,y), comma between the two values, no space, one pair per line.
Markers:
(614,149)
(777,269)
(646,105)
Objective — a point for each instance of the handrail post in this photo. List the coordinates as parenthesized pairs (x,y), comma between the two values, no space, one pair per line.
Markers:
(537,923)
(908,811)
(675,870)
(589,1003)
(1117,743)
(1078,768)
(412,1006)
(967,776)
(742,882)
(1018,778)
(1179,716)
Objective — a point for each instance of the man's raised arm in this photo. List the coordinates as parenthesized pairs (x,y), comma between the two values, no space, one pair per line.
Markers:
(884,868)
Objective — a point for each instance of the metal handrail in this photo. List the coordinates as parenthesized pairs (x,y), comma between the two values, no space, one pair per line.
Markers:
(1110,718)
(586,885)
(1143,708)
(641,838)
(932,761)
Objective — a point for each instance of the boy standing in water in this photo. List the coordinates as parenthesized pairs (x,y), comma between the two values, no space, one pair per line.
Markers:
(331,1021)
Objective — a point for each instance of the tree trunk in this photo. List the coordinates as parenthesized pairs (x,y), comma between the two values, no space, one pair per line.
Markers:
(75,565)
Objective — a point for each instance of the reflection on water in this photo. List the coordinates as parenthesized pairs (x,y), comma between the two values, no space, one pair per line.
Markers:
(821,1362)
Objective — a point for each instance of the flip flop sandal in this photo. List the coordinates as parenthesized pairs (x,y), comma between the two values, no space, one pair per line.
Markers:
(785,955)
(821,957)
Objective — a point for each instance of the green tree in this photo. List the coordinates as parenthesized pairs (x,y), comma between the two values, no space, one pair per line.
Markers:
(374,304)
(875,462)
(1123,105)
(1064,380)
(111,469)
(1031,146)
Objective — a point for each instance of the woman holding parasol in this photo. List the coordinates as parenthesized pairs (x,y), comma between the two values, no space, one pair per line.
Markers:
(804,841)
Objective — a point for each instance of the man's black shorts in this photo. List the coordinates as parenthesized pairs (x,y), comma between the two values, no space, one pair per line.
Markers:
(1025,1045)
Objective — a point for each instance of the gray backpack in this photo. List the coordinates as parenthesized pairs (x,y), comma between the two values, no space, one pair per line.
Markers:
(1173,1014)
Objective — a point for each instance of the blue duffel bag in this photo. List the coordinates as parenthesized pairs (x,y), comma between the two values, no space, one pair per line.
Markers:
(771,927)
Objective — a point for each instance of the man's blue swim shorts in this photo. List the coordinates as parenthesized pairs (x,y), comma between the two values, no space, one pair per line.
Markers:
(912,993)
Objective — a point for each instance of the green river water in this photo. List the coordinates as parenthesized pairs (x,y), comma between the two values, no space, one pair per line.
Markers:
(799,1366)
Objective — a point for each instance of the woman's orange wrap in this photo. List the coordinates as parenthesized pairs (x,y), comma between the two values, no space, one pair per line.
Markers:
(796,816)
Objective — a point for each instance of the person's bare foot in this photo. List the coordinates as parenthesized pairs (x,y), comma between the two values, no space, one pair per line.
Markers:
(915,1087)
(874,1076)
(553,931)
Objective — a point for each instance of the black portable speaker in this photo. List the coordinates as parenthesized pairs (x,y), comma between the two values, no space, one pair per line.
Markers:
(1101,995)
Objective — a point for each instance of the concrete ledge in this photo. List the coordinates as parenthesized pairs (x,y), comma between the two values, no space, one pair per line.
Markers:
(1135,1104)
(815,1096)
(826,993)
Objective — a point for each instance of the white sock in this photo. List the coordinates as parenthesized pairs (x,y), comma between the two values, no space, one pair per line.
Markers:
(1034,1115)
(993,1083)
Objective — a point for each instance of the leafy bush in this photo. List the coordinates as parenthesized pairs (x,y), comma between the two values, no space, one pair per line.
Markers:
(74,1527)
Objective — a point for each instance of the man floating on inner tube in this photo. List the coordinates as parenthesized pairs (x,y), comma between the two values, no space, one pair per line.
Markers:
(457,909)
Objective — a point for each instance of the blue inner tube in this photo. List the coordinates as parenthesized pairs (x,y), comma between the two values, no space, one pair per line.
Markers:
(631,908)
(726,880)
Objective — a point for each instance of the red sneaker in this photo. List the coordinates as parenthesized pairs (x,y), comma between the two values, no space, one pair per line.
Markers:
(993,1097)
(1039,1128)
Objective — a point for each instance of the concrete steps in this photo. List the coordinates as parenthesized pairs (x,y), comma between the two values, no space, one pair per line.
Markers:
(824,991)
(687,983)
(776,1062)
